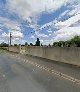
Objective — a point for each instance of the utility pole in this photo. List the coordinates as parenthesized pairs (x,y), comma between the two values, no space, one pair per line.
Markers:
(8,44)
(10,38)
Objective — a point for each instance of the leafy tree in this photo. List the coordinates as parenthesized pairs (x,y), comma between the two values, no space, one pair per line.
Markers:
(76,41)
(58,44)
(49,45)
(26,43)
(37,42)
(55,44)
(73,42)
(3,45)
(68,43)
(15,45)
(31,44)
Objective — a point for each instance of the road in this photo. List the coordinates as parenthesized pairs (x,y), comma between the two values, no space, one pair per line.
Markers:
(20,73)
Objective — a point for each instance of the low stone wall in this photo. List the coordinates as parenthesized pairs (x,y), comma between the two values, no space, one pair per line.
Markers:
(4,48)
(15,49)
(23,50)
(65,54)
(70,55)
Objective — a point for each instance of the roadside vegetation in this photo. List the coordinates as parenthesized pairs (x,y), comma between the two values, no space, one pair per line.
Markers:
(3,44)
(75,42)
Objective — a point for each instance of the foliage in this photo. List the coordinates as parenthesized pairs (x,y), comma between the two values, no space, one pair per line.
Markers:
(31,44)
(3,45)
(15,45)
(59,44)
(49,45)
(26,43)
(73,42)
(76,41)
(37,42)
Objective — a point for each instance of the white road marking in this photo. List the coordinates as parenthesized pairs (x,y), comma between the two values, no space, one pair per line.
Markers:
(62,75)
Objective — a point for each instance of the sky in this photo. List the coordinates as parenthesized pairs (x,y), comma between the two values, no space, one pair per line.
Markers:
(48,20)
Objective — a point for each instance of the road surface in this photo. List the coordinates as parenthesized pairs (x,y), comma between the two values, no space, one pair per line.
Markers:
(30,74)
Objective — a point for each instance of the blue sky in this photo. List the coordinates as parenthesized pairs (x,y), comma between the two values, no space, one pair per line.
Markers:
(48,20)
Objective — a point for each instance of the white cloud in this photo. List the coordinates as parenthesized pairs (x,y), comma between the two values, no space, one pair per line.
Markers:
(15,34)
(1,40)
(16,37)
(32,8)
(32,37)
(64,13)
(4,35)
(66,30)
(1,30)
(49,31)
(18,41)
(49,25)
(74,11)
(42,35)
(50,34)
(38,34)
(41,41)
(9,24)
(66,33)
(12,26)
(68,22)
(47,42)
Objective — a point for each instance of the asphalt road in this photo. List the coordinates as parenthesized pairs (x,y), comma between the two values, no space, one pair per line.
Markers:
(29,74)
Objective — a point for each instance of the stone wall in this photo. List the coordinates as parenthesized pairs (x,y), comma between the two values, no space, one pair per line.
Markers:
(70,55)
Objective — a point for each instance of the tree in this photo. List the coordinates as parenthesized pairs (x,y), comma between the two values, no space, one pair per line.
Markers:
(68,43)
(15,45)
(76,41)
(26,43)
(3,45)
(31,44)
(37,42)
(55,44)
(73,42)
(58,44)
(49,45)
